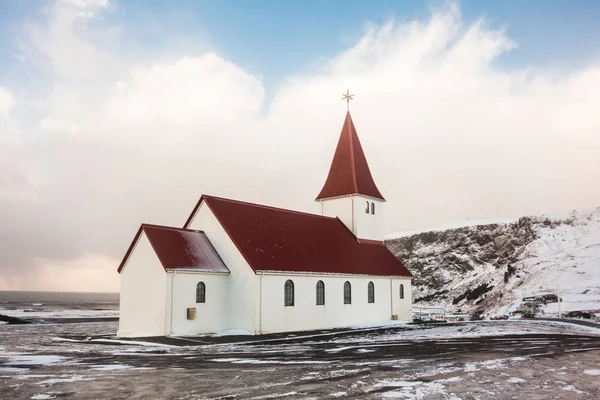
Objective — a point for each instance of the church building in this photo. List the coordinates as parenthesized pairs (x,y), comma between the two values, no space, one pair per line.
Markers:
(244,266)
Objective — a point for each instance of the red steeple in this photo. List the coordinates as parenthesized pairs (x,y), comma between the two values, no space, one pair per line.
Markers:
(349,172)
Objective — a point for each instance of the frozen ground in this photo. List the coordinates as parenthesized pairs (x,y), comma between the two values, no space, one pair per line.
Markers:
(484,360)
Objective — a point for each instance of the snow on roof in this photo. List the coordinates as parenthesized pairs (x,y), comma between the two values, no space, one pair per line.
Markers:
(275,239)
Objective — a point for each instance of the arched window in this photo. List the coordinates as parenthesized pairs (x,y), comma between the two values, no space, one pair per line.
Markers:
(401,291)
(367,208)
(347,293)
(371,294)
(200,292)
(288,293)
(372,208)
(320,293)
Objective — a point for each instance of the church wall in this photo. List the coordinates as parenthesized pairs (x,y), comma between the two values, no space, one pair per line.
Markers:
(143,290)
(306,315)
(211,316)
(368,226)
(341,208)
(402,307)
(242,298)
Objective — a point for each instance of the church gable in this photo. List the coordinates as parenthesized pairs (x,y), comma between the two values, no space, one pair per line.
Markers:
(180,249)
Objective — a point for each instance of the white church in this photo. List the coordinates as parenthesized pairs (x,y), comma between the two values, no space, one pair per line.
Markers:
(243,266)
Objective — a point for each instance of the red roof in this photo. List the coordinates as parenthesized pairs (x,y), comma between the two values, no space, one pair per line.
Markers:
(179,249)
(274,239)
(349,172)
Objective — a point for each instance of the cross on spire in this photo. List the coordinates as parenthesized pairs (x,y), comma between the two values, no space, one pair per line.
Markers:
(347,96)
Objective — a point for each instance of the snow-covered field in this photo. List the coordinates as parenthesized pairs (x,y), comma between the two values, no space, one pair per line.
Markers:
(485,360)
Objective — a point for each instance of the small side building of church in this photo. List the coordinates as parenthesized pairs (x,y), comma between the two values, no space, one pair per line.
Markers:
(244,266)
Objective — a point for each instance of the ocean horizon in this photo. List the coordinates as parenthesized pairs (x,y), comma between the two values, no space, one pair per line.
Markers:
(45,304)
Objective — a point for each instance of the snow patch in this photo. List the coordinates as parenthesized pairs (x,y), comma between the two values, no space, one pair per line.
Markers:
(275,396)
(257,361)
(43,396)
(27,360)
(592,371)
(571,388)
(337,350)
(234,332)
(111,367)
(66,379)
(11,369)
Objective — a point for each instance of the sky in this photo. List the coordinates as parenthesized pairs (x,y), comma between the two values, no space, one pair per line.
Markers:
(114,113)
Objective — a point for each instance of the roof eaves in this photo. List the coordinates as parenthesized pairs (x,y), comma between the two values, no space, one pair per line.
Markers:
(197,270)
(341,196)
(311,273)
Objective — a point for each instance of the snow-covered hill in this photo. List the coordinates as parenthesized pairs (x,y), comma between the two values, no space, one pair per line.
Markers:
(490,267)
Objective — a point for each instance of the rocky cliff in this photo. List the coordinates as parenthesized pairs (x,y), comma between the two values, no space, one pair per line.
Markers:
(488,268)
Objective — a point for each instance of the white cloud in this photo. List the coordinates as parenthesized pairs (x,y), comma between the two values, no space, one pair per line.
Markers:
(7,101)
(448,134)
(8,126)
(189,90)
(86,8)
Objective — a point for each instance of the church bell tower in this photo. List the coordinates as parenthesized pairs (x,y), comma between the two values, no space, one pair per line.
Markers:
(349,192)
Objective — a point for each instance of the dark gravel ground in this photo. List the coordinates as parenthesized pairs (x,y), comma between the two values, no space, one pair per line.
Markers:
(484,360)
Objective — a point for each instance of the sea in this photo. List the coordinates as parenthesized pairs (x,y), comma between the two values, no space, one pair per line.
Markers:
(37,306)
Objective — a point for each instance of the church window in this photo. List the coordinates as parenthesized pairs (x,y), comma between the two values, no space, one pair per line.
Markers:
(372,208)
(320,293)
(371,292)
(367,208)
(288,292)
(200,292)
(401,291)
(347,293)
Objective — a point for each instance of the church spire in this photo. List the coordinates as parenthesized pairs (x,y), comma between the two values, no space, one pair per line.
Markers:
(349,173)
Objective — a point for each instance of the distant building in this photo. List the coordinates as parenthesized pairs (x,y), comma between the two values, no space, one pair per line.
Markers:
(238,265)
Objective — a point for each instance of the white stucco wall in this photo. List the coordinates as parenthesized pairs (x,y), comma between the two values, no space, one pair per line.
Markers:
(211,316)
(306,315)
(341,208)
(351,210)
(368,226)
(402,307)
(143,291)
(243,282)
